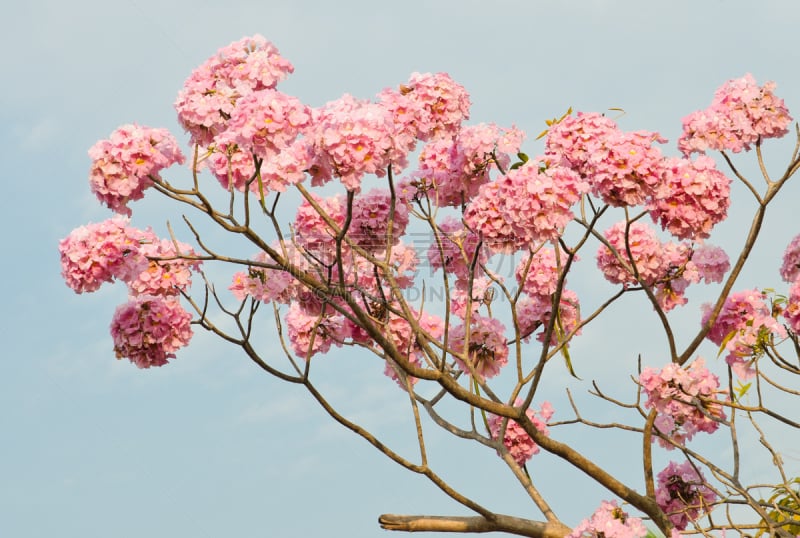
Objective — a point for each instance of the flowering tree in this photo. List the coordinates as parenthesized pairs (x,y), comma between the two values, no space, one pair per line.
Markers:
(340,271)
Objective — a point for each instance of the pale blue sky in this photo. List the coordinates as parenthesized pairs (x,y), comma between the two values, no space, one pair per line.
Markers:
(208,446)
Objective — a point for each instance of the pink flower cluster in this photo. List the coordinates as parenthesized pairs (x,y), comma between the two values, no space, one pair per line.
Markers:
(262,283)
(451,170)
(148,330)
(682,494)
(400,333)
(693,197)
(745,323)
(740,114)
(487,349)
(685,400)
(440,104)
(534,312)
(371,214)
(101,252)
(623,168)
(527,207)
(646,253)
(538,273)
(311,332)
(352,138)
(456,249)
(609,521)
(211,92)
(790,268)
(519,444)
(166,276)
(123,164)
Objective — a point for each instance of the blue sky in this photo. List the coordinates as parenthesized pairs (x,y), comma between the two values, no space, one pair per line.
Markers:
(208,446)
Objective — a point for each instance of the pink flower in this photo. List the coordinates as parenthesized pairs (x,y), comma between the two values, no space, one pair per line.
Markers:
(790,269)
(266,122)
(148,330)
(516,440)
(792,311)
(694,198)
(543,270)
(400,333)
(623,168)
(210,93)
(740,113)
(646,252)
(682,494)
(439,104)
(456,249)
(609,521)
(164,277)
(745,323)
(527,207)
(461,300)
(123,164)
(352,138)
(311,333)
(263,283)
(102,252)
(486,346)
(451,170)
(371,213)
(685,399)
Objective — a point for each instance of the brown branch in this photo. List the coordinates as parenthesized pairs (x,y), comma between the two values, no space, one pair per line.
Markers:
(461,524)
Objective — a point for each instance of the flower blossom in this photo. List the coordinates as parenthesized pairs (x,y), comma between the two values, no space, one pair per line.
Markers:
(123,164)
(745,324)
(262,283)
(527,207)
(371,214)
(519,444)
(148,330)
(646,251)
(209,95)
(402,336)
(486,348)
(682,494)
(101,252)
(684,399)
(440,104)
(694,198)
(456,249)
(740,114)
(609,521)
(790,268)
(164,277)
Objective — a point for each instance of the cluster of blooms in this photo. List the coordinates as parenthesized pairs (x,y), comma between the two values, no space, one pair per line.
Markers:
(371,214)
(526,207)
(745,323)
(311,332)
(740,114)
(455,168)
(688,265)
(152,325)
(682,494)
(122,164)
(166,276)
(440,104)
(486,349)
(609,521)
(694,196)
(456,249)
(463,300)
(352,138)
(684,399)
(639,243)
(534,312)
(400,333)
(101,252)
(262,283)
(538,273)
(790,268)
(149,329)
(624,168)
(519,444)
(211,92)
